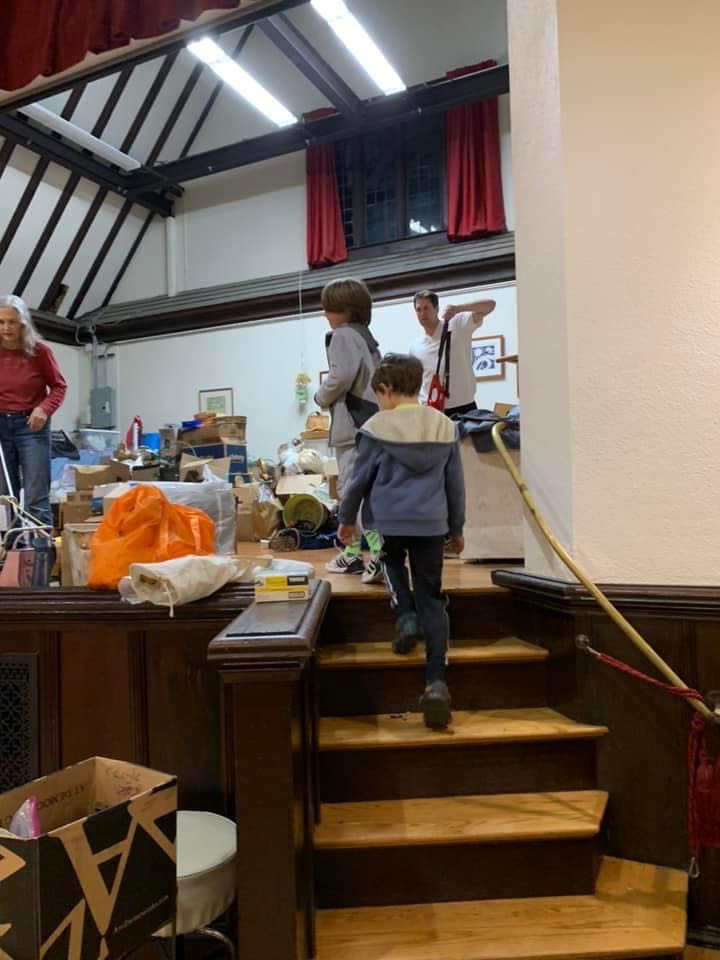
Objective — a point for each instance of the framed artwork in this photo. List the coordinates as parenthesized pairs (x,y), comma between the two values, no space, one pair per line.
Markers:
(322,375)
(485,353)
(218,401)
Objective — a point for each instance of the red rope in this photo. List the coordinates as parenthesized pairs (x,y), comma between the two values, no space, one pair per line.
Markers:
(703,770)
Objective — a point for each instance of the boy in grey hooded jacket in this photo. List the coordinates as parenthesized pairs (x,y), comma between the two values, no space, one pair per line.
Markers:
(408,476)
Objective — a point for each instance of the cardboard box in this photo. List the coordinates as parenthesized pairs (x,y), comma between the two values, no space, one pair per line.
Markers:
(246,499)
(101,877)
(87,477)
(503,409)
(293,483)
(226,468)
(123,472)
(76,508)
(75,553)
(283,586)
(331,475)
(218,430)
(219,451)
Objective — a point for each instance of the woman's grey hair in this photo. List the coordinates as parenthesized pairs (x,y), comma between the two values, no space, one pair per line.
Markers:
(28,334)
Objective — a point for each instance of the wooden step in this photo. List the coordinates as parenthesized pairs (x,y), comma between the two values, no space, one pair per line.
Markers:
(368,678)
(494,818)
(636,911)
(348,656)
(468,727)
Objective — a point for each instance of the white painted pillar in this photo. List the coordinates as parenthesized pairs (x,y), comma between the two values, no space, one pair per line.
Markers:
(616,152)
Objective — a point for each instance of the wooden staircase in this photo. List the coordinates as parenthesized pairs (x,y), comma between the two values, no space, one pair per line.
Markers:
(482,842)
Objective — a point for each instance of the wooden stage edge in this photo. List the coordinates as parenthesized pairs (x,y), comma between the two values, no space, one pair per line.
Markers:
(459,577)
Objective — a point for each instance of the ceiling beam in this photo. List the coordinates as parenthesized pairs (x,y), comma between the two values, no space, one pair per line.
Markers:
(132,56)
(288,39)
(23,134)
(381,112)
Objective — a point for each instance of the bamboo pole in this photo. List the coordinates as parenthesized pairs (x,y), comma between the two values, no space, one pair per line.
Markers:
(609,608)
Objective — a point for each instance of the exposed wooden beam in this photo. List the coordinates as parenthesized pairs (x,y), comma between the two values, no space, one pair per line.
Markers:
(128,141)
(184,152)
(150,98)
(128,259)
(75,160)
(213,96)
(160,142)
(288,39)
(100,258)
(457,265)
(71,253)
(158,49)
(382,112)
(35,179)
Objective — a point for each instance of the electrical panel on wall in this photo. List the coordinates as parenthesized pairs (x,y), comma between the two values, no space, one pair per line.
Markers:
(102,408)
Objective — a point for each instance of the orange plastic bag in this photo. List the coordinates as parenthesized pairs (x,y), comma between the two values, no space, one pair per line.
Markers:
(142,526)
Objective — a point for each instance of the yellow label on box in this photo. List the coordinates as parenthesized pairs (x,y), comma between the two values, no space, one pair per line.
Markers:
(284,586)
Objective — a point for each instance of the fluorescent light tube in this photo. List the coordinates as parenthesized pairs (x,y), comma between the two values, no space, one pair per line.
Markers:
(80,137)
(241,81)
(360,44)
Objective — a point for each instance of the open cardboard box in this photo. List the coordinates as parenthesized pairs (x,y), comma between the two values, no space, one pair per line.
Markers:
(101,878)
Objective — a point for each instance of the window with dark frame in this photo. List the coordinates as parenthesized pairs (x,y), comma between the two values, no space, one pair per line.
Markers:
(391,184)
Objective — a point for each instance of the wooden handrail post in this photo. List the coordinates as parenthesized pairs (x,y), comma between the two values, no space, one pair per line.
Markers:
(264,658)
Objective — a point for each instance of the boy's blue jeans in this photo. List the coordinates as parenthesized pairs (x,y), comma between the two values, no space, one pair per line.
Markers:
(27,455)
(427,599)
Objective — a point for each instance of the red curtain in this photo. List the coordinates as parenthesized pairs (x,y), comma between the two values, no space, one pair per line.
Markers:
(474,181)
(44,37)
(325,235)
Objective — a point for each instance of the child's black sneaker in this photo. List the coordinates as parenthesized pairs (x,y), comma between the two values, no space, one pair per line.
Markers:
(407,633)
(435,704)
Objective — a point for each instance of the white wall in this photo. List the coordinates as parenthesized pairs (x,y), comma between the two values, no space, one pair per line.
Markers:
(159,379)
(622,394)
(75,367)
(248,223)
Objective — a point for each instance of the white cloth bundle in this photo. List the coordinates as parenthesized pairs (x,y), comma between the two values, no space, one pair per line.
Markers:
(173,583)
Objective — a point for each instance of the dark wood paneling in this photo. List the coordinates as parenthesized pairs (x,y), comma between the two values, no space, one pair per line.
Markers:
(45,645)
(95,689)
(440,873)
(183,715)
(642,763)
(347,775)
(358,619)
(396,689)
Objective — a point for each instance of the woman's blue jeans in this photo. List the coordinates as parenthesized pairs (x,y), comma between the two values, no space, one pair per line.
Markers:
(27,455)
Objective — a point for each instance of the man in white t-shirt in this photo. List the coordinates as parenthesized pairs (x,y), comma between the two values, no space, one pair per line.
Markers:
(464,320)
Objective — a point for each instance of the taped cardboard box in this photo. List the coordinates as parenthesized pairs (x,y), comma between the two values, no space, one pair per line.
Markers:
(75,553)
(76,508)
(101,878)
(245,498)
(296,483)
(226,468)
(218,430)
(89,476)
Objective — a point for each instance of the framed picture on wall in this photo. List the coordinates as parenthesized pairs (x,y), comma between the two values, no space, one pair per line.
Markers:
(219,401)
(485,353)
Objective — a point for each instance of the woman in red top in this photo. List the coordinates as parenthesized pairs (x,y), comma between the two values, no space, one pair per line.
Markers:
(31,390)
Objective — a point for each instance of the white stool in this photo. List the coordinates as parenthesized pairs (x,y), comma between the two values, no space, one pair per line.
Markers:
(206,846)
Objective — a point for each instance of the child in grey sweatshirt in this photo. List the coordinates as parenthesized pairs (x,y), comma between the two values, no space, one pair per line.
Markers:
(353,356)
(408,477)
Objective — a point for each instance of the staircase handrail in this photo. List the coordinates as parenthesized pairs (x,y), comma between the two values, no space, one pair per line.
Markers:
(612,611)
